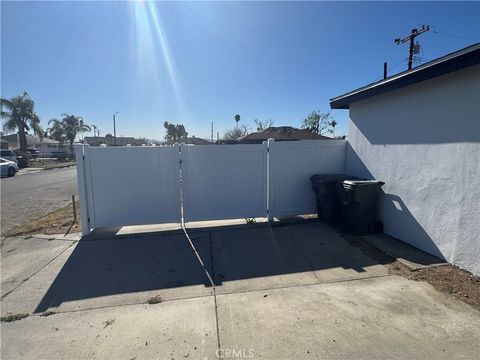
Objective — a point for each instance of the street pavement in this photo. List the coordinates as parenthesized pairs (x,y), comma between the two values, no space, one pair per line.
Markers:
(30,195)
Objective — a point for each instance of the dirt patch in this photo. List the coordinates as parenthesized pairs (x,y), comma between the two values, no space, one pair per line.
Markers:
(57,166)
(48,313)
(56,222)
(50,164)
(13,317)
(155,300)
(448,279)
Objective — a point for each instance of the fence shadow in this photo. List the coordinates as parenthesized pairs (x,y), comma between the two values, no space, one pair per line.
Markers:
(128,264)
(122,265)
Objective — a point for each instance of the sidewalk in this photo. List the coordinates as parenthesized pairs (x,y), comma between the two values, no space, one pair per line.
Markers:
(25,171)
(30,170)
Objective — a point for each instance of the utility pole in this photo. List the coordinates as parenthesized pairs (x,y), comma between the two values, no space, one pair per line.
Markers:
(114,130)
(211,134)
(410,38)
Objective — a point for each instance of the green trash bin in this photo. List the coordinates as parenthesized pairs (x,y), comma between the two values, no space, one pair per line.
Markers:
(358,199)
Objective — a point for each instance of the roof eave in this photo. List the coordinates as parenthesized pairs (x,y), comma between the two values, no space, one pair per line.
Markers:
(427,71)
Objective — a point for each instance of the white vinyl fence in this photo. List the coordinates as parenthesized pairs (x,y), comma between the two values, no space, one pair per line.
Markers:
(122,186)
(127,185)
(224,181)
(291,164)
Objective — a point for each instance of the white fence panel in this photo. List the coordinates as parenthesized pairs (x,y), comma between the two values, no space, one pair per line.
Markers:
(291,164)
(130,185)
(224,181)
(121,186)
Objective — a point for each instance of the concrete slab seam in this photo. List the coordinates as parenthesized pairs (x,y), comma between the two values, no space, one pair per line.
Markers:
(37,271)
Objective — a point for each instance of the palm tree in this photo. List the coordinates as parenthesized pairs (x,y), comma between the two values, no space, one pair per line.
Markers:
(67,129)
(21,116)
(237,119)
(56,131)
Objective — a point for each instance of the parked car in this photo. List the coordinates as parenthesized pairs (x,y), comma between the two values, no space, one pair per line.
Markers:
(34,153)
(7,167)
(62,155)
(22,158)
(8,155)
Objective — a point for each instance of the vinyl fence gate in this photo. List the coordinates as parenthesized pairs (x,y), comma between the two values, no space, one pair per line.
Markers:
(120,186)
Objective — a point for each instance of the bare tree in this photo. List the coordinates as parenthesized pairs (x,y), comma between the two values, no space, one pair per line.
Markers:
(263,124)
(319,123)
(236,133)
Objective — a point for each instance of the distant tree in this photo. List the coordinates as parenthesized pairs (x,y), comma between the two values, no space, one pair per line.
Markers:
(237,119)
(319,123)
(175,132)
(69,126)
(236,133)
(109,135)
(57,132)
(20,115)
(263,124)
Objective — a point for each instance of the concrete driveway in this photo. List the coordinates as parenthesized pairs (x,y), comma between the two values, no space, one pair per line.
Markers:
(296,291)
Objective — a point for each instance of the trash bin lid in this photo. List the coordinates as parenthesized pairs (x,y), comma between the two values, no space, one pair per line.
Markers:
(363,182)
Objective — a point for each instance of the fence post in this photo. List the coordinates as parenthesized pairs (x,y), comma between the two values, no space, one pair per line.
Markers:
(270,210)
(82,185)
(181,168)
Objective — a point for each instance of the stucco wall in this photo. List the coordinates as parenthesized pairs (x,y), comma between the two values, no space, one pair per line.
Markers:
(424,142)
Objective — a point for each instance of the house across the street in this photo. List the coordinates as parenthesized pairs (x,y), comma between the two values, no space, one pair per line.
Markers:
(280,133)
(419,131)
(110,141)
(197,141)
(45,146)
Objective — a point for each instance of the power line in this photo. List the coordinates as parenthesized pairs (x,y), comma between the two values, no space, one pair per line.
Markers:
(455,35)
(400,62)
(391,69)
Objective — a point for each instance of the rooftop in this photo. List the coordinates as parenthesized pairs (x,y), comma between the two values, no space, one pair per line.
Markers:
(446,64)
(282,133)
(31,139)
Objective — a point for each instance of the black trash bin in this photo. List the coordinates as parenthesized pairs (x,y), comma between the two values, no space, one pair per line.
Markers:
(358,200)
(328,203)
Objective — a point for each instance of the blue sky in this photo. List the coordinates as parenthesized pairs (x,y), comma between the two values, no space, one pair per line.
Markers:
(197,63)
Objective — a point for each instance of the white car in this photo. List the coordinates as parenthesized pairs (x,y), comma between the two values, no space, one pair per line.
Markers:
(7,167)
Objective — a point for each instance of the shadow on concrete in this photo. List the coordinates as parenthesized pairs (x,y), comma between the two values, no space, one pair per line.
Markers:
(123,265)
(282,250)
(101,266)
